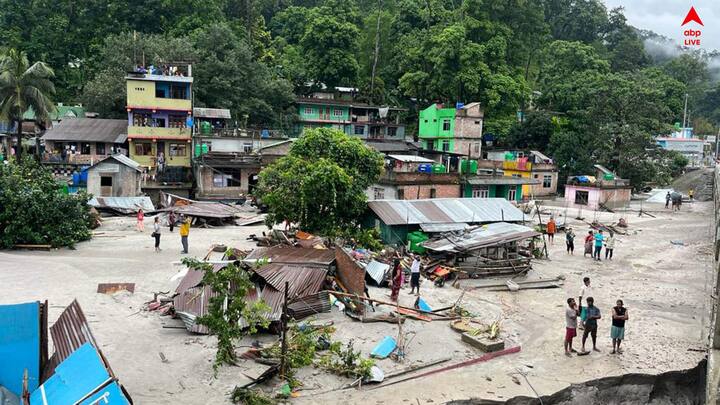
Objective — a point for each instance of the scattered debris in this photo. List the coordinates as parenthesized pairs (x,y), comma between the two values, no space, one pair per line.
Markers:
(384,348)
(112,288)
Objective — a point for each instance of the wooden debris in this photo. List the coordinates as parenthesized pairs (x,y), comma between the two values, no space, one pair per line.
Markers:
(112,288)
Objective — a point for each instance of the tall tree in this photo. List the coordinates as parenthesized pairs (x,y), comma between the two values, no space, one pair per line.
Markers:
(23,87)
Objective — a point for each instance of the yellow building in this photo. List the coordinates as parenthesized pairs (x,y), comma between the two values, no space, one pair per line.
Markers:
(159,107)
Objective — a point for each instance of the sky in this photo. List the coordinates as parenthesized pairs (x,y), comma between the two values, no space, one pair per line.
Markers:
(665,16)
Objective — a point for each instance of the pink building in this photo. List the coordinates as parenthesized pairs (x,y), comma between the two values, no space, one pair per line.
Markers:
(605,190)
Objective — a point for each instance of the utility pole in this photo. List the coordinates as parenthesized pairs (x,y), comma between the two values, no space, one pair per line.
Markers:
(682,133)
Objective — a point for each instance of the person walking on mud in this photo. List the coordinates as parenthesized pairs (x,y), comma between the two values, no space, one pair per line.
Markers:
(171,220)
(551,230)
(593,315)
(667,199)
(156,233)
(588,246)
(140,226)
(570,241)
(571,314)
(617,331)
(184,232)
(598,244)
(609,246)
(415,275)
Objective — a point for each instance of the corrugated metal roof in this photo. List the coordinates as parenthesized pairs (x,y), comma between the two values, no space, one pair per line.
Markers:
(411,159)
(122,159)
(211,113)
(130,204)
(294,255)
(88,130)
(445,210)
(302,280)
(213,210)
(392,146)
(452,226)
(486,235)
(501,180)
(377,270)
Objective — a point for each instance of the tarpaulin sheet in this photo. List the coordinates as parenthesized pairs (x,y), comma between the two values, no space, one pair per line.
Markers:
(19,345)
(81,374)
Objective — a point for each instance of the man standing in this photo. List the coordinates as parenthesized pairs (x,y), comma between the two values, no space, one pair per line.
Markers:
(617,331)
(570,241)
(571,314)
(598,244)
(691,192)
(184,232)
(593,314)
(609,245)
(585,291)
(667,199)
(551,229)
(415,275)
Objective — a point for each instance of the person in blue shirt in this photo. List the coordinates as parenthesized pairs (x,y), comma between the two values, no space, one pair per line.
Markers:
(598,245)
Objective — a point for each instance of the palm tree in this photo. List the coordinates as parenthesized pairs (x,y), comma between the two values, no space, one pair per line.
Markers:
(23,87)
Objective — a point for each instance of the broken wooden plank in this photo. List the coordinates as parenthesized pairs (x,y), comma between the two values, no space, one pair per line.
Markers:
(415,314)
(112,288)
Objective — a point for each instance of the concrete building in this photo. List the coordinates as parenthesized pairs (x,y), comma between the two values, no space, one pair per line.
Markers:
(509,188)
(340,110)
(115,176)
(531,165)
(410,177)
(604,190)
(692,149)
(159,127)
(457,130)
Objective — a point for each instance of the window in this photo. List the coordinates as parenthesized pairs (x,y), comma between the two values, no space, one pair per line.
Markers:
(517,176)
(481,192)
(391,131)
(337,112)
(547,181)
(477,122)
(426,121)
(476,148)
(247,147)
(85,149)
(433,193)
(512,194)
(309,110)
(359,130)
(160,93)
(176,121)
(401,194)
(105,181)
(143,149)
(99,148)
(378,193)
(581,197)
(159,122)
(445,145)
(142,119)
(178,149)
(178,91)
(446,125)
(537,176)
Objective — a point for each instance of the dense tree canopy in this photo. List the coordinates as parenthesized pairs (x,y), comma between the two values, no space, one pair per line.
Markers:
(549,60)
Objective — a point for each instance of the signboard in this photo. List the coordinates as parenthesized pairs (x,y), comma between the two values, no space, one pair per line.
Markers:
(710,138)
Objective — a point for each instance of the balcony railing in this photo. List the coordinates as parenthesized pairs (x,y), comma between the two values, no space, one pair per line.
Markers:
(159,133)
(74,159)
(515,165)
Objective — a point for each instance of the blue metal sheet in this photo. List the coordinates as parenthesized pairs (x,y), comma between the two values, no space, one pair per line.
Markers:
(110,394)
(423,305)
(81,374)
(19,345)
(384,348)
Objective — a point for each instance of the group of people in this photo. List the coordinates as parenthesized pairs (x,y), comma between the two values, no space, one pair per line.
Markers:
(398,277)
(172,221)
(594,241)
(589,317)
(676,199)
(164,70)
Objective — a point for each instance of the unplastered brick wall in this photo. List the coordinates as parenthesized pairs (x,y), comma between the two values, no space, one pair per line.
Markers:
(425,191)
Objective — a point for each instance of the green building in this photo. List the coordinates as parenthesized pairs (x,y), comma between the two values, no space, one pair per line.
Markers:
(509,188)
(455,129)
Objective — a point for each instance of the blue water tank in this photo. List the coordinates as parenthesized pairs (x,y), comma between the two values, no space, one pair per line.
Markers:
(265,133)
(76,178)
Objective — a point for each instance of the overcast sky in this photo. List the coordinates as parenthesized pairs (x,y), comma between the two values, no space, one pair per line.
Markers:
(665,17)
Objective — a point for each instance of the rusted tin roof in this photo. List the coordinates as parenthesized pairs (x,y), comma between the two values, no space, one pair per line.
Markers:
(484,236)
(302,280)
(294,255)
(445,210)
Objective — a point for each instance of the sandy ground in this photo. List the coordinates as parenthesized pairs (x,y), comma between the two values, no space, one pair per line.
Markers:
(664,286)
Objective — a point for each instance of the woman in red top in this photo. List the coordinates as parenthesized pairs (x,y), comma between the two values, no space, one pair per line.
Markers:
(588,243)
(140,218)
(396,280)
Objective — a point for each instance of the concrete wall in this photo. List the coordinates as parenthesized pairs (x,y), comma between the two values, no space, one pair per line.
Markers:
(206,186)
(609,197)
(713,368)
(125,181)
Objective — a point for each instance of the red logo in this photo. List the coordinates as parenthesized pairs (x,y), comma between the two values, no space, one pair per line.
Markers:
(692,15)
(692,37)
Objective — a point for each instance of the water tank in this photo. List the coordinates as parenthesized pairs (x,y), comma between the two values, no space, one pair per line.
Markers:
(509,156)
(609,176)
(425,168)
(205,128)
(76,178)
(473,166)
(198,149)
(464,167)
(438,168)
(204,149)
(415,238)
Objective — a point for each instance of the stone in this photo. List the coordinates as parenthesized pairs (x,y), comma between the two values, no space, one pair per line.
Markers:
(483,343)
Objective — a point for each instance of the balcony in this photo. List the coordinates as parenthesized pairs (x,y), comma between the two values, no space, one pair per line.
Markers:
(73,159)
(515,165)
(157,103)
(158,133)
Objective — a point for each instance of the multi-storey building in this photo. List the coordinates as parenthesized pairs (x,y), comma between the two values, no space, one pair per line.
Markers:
(159,107)
(339,110)
(457,130)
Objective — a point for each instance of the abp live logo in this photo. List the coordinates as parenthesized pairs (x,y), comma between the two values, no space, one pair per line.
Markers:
(692,36)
